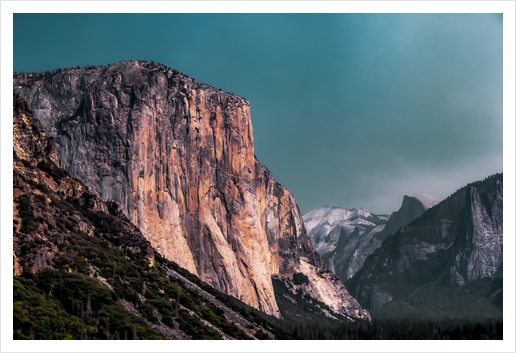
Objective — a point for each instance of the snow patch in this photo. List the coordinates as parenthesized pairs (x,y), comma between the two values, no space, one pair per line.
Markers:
(426,201)
(327,224)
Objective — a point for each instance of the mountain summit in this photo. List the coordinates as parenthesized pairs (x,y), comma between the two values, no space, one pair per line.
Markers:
(346,237)
(177,157)
(411,208)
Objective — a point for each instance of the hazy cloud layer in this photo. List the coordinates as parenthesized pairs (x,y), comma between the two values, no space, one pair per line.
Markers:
(353,110)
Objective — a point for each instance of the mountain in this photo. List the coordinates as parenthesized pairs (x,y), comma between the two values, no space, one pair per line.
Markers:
(343,237)
(445,264)
(177,158)
(411,208)
(83,271)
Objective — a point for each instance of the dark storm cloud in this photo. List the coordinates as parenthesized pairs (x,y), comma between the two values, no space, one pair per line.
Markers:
(353,110)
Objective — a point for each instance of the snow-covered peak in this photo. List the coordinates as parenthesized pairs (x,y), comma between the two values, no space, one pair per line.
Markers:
(331,215)
(354,229)
(426,201)
(361,212)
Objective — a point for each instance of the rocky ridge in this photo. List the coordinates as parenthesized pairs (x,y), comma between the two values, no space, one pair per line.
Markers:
(177,157)
(446,262)
(344,237)
(411,208)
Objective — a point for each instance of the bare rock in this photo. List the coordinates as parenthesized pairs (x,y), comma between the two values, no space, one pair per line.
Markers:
(178,157)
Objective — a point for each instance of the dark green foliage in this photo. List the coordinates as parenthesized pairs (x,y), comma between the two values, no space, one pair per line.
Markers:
(29,222)
(60,305)
(279,328)
(36,316)
(215,316)
(272,324)
(166,309)
(42,200)
(54,171)
(120,256)
(300,278)
(147,310)
(411,329)
(194,327)
(102,247)
(261,335)
(165,305)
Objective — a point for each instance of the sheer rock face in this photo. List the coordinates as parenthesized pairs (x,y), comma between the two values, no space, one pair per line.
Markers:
(451,245)
(178,156)
(411,208)
(38,185)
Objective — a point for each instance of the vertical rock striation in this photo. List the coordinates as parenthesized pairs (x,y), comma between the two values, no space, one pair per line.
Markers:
(178,157)
(449,261)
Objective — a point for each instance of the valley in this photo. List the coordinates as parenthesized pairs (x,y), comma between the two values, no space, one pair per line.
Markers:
(141,212)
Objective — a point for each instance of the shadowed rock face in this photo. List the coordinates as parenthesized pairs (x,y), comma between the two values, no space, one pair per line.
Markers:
(455,244)
(411,208)
(43,217)
(178,156)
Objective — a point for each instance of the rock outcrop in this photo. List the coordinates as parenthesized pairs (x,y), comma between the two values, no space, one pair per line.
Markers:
(178,158)
(447,262)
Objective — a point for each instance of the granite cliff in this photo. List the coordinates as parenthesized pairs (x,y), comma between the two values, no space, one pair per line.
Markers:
(177,157)
(83,271)
(411,208)
(446,263)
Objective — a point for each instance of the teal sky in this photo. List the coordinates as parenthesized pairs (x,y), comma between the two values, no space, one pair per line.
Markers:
(352,110)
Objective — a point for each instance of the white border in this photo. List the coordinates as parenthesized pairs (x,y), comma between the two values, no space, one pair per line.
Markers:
(505,7)
(258,6)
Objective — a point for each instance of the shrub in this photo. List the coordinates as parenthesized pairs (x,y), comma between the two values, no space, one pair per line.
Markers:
(54,171)
(28,224)
(261,335)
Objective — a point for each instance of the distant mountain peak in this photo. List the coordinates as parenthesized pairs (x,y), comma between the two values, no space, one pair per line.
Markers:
(335,231)
(411,208)
(345,237)
(426,201)
(448,262)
